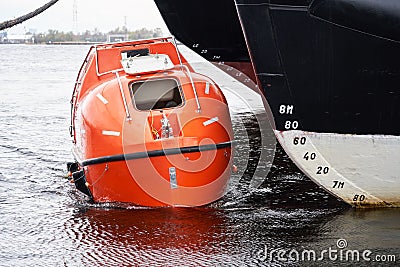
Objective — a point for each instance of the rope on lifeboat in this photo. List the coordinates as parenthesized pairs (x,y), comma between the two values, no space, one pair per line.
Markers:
(153,130)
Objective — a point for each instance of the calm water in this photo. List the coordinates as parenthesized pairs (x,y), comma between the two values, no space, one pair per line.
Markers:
(45,222)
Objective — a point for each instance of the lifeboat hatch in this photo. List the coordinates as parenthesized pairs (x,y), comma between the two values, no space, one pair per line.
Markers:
(140,61)
(156,94)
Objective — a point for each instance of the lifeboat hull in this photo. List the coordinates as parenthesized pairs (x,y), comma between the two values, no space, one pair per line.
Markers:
(151,137)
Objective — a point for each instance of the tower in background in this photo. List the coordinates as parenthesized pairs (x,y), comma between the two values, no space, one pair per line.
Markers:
(75,17)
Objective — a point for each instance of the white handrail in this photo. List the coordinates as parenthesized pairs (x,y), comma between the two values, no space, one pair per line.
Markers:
(128,115)
(189,74)
(194,88)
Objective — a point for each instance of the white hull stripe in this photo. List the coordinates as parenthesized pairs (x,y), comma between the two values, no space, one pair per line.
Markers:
(363,170)
(102,99)
(210,121)
(207,90)
(111,133)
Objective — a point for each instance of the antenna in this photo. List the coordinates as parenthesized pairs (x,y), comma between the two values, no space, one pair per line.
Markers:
(126,29)
(75,17)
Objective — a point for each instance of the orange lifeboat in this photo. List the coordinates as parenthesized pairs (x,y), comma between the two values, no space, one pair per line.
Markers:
(147,129)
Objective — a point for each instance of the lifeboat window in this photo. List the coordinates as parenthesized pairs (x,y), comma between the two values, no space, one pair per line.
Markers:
(156,94)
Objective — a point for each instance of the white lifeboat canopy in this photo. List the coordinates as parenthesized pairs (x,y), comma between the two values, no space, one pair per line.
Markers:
(145,63)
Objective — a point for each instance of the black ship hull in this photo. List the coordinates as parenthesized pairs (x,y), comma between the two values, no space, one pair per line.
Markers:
(335,63)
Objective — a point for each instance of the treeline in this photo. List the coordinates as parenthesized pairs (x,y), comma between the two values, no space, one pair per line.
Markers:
(95,35)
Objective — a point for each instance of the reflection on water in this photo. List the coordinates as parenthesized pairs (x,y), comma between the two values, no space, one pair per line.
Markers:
(157,236)
(45,222)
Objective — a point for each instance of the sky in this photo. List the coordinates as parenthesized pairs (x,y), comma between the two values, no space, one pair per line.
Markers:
(105,15)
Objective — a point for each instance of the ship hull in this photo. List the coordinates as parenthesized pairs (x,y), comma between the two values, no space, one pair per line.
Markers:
(330,75)
(334,78)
